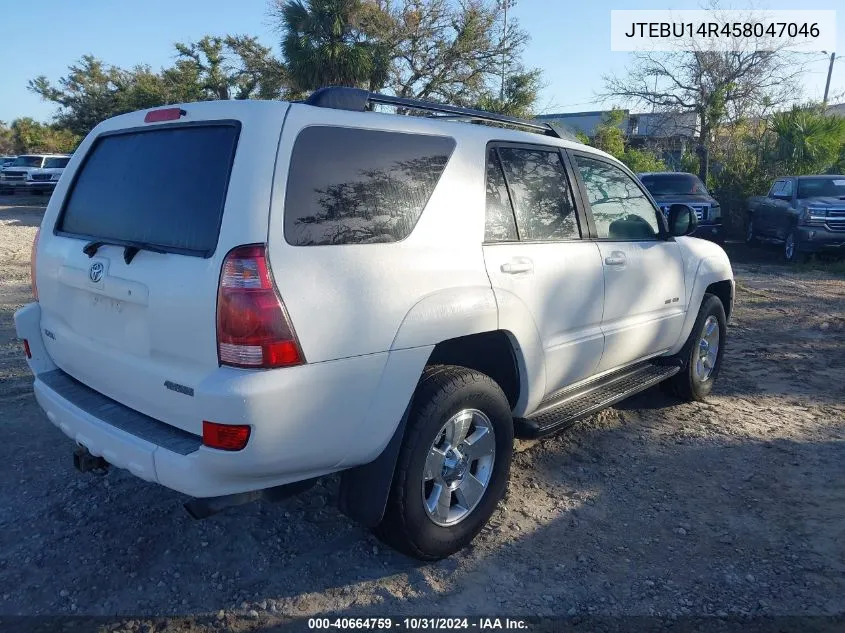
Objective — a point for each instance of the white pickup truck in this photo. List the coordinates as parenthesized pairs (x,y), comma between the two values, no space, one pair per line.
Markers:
(235,298)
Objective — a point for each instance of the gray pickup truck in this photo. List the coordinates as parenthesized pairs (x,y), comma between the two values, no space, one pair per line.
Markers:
(804,213)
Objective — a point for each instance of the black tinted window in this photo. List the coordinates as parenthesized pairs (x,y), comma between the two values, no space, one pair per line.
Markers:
(822,187)
(500,225)
(165,187)
(540,193)
(673,184)
(620,209)
(354,186)
(55,163)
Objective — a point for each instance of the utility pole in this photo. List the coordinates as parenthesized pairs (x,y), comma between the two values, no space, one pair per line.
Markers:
(505,4)
(829,73)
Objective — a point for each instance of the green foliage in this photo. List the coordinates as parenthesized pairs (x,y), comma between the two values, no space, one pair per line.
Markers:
(6,139)
(521,92)
(325,42)
(609,137)
(29,136)
(641,160)
(806,140)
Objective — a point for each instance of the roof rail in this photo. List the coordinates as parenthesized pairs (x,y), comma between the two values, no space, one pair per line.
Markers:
(358,100)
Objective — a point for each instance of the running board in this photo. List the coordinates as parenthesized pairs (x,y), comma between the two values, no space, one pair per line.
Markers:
(573,404)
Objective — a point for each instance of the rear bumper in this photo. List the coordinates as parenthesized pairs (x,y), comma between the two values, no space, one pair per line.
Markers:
(819,239)
(306,422)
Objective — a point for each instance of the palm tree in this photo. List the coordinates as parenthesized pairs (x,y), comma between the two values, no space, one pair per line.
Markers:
(324,44)
(808,140)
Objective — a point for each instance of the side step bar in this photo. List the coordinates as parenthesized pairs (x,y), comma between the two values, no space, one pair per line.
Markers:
(573,404)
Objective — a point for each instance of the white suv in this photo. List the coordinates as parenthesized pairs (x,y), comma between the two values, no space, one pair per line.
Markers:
(234,298)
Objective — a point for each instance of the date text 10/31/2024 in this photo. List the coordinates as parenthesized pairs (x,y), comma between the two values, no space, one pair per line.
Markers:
(418,624)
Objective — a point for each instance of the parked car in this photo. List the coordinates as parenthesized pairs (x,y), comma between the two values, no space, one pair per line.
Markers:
(668,188)
(5,161)
(33,173)
(234,298)
(806,214)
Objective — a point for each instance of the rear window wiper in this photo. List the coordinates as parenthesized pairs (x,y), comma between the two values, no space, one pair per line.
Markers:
(130,248)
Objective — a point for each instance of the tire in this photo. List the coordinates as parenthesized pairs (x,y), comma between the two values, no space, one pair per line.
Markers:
(689,384)
(446,393)
(791,252)
(750,234)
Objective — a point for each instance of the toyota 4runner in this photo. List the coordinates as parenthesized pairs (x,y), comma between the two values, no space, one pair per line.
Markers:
(235,298)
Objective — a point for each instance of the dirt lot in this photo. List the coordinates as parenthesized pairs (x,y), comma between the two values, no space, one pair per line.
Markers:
(735,507)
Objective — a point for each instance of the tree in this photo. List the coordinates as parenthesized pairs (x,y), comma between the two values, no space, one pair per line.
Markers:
(86,95)
(329,42)
(718,86)
(6,139)
(29,136)
(521,91)
(230,67)
(807,140)
(455,52)
(610,137)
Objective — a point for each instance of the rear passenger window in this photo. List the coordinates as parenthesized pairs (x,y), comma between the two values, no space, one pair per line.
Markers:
(540,193)
(355,186)
(500,225)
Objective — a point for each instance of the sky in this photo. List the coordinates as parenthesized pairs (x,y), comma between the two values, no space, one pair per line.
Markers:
(570,41)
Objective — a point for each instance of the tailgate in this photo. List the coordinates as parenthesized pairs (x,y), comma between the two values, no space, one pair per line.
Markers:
(132,243)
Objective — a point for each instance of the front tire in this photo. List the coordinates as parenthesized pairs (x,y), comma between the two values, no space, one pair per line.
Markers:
(702,353)
(791,248)
(750,233)
(454,464)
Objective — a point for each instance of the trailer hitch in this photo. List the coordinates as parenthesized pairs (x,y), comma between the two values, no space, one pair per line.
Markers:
(85,462)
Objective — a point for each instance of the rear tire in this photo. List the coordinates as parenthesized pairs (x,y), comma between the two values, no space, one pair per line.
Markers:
(435,461)
(701,364)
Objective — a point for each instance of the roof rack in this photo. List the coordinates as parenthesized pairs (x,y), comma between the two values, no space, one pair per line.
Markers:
(358,100)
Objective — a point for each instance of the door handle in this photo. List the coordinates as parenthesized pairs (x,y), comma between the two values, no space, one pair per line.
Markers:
(616,258)
(518,265)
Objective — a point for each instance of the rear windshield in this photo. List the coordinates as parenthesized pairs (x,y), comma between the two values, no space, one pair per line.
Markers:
(821,187)
(164,187)
(354,186)
(673,184)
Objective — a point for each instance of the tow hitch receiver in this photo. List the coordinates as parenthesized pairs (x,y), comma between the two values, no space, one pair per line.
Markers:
(85,462)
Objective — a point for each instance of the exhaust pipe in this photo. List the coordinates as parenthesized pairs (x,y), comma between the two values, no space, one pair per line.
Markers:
(208,506)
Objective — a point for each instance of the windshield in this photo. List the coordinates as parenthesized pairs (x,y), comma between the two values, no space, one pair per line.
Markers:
(55,163)
(673,184)
(27,161)
(822,187)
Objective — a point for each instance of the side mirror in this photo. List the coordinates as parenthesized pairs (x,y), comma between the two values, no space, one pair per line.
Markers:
(682,220)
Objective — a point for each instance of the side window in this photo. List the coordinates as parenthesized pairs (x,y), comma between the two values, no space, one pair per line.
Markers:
(357,186)
(786,191)
(776,188)
(620,209)
(499,225)
(540,192)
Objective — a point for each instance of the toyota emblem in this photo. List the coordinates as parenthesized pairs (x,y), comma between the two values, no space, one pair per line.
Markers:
(95,273)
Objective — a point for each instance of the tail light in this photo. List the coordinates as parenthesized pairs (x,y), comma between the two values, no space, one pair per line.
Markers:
(253,328)
(32,255)
(226,437)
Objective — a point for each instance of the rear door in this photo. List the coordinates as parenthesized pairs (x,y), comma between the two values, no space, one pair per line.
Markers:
(140,326)
(535,256)
(644,293)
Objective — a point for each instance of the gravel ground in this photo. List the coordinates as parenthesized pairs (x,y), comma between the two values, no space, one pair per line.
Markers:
(734,507)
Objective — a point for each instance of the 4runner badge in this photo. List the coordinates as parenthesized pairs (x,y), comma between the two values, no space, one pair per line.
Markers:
(95,272)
